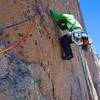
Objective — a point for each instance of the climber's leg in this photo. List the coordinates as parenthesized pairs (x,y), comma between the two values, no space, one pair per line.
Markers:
(65,42)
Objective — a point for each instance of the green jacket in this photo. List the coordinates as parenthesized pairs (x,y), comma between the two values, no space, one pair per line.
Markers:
(70,23)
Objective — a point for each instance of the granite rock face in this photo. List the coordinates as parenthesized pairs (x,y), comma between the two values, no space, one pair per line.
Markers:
(35,70)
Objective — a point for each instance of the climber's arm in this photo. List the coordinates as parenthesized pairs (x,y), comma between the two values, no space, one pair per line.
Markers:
(56,16)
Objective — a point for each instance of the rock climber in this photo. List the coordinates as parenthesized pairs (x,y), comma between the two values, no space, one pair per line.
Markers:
(74,33)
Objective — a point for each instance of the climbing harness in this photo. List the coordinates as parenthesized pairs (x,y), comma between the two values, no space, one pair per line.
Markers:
(76,37)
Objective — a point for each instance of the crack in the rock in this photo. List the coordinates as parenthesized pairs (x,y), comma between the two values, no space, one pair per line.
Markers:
(84,71)
(48,74)
(37,89)
(91,93)
(53,90)
(71,94)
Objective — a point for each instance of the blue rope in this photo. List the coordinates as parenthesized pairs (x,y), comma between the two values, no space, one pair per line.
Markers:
(15,24)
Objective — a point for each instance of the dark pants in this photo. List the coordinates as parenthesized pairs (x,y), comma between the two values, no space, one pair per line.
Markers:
(65,42)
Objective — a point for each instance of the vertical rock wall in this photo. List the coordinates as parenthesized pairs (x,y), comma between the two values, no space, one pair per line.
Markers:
(35,70)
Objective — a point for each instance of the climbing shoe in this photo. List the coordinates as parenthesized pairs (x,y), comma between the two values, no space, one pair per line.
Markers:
(69,57)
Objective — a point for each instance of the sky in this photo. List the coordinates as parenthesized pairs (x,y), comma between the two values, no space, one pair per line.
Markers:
(91,14)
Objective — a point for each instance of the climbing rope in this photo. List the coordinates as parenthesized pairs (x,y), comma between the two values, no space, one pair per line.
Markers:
(15,24)
(19,40)
(40,10)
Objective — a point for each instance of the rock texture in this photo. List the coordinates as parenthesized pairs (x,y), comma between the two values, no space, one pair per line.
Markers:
(35,70)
